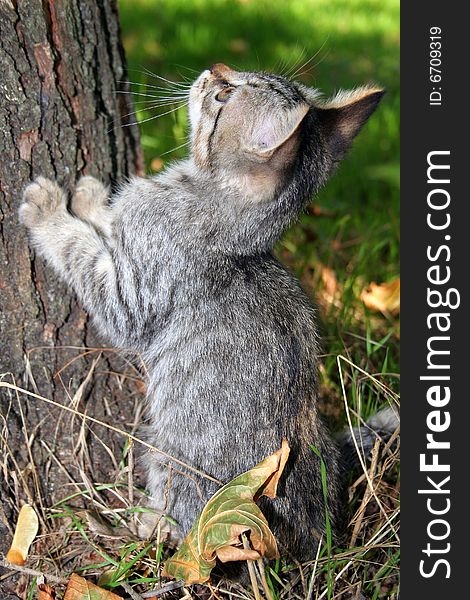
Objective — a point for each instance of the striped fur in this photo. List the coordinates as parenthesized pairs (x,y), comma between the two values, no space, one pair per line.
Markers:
(179,267)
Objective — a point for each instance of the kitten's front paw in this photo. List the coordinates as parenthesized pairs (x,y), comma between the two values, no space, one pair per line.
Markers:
(90,194)
(41,199)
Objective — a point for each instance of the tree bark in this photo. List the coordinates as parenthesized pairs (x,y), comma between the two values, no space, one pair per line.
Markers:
(61,64)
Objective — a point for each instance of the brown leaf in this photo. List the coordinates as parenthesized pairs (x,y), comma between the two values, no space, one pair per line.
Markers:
(239,46)
(79,588)
(156,164)
(330,283)
(321,211)
(274,464)
(232,553)
(25,532)
(230,512)
(46,592)
(384,297)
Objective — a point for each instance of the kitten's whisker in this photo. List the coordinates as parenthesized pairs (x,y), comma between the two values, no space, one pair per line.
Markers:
(315,65)
(154,87)
(154,116)
(307,62)
(280,65)
(310,60)
(152,107)
(186,80)
(155,91)
(172,83)
(159,92)
(171,86)
(296,62)
(176,148)
(145,71)
(187,68)
(165,103)
(153,94)
(157,97)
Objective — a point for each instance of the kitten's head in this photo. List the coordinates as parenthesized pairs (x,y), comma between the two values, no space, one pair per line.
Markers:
(251,127)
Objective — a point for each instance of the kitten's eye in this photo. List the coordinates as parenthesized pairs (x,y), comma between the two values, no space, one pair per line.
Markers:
(224,94)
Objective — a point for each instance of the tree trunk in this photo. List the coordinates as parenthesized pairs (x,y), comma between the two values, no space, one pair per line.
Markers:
(61,63)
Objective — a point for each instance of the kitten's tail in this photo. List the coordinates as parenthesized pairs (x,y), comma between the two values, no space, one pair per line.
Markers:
(382,426)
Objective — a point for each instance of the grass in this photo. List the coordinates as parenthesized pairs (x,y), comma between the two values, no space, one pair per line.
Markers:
(347,239)
(91,529)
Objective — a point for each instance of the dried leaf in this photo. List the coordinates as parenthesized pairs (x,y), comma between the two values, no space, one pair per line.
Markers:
(239,46)
(384,297)
(330,283)
(46,592)
(79,588)
(230,512)
(26,530)
(156,164)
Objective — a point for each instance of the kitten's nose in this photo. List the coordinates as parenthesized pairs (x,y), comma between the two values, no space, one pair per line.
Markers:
(220,70)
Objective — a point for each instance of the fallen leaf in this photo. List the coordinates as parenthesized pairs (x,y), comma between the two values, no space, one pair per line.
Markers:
(26,530)
(46,592)
(156,163)
(239,46)
(330,283)
(321,211)
(79,588)
(384,297)
(231,511)
(141,386)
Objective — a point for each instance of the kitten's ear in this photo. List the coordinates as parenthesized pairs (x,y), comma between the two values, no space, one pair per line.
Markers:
(273,130)
(342,117)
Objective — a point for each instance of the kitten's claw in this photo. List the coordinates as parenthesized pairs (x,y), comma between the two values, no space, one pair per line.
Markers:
(41,199)
(90,194)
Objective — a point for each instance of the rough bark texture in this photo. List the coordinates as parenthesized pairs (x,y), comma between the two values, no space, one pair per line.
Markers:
(61,63)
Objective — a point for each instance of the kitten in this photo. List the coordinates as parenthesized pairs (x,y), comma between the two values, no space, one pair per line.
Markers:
(179,267)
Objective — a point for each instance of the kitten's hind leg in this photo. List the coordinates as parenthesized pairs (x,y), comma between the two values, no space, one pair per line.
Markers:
(90,203)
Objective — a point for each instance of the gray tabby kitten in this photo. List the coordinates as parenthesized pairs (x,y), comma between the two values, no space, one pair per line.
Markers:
(179,267)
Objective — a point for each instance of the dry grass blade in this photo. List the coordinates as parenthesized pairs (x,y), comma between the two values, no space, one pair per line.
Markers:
(165,589)
(33,572)
(367,495)
(111,427)
(264,581)
(314,570)
(383,531)
(360,457)
(134,595)
(251,569)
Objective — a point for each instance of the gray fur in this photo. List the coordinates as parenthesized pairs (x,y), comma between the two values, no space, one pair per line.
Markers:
(179,268)
(379,426)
